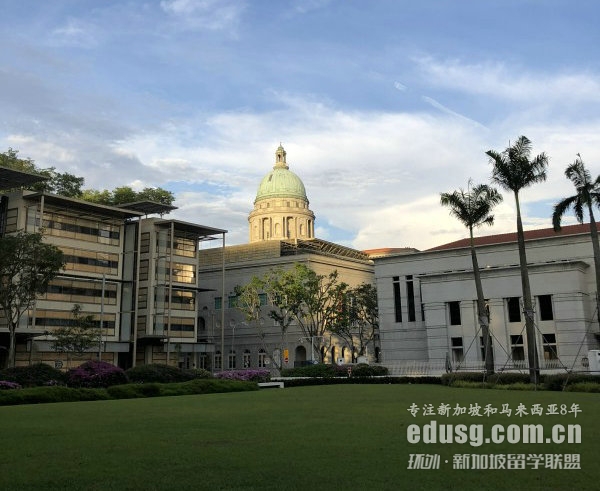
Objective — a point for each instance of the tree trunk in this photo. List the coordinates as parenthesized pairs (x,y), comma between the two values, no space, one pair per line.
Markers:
(482,314)
(532,355)
(12,344)
(596,248)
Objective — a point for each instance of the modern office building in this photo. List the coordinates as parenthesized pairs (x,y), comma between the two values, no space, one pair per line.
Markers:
(137,274)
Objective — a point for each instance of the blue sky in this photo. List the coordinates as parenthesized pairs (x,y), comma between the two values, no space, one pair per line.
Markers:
(380,105)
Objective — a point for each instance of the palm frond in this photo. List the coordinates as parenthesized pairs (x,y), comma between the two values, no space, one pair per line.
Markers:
(560,209)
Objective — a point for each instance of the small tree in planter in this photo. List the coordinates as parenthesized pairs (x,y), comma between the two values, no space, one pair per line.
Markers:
(76,338)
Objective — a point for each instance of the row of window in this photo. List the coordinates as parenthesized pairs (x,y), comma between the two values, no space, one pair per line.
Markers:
(514,310)
(246,360)
(77,291)
(76,228)
(410,299)
(517,348)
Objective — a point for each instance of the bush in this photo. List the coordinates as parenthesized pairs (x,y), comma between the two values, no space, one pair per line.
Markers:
(6,385)
(364,370)
(247,375)
(158,373)
(479,377)
(96,374)
(563,380)
(39,395)
(318,370)
(583,387)
(194,373)
(206,386)
(33,375)
(134,391)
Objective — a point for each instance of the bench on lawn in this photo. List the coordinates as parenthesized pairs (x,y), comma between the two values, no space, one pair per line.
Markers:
(270,385)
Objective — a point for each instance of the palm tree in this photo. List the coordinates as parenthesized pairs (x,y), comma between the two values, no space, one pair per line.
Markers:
(588,194)
(473,208)
(513,170)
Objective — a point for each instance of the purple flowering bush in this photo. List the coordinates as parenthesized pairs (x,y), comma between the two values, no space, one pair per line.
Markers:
(95,374)
(246,375)
(7,385)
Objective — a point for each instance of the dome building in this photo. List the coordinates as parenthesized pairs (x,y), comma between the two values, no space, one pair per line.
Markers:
(281,207)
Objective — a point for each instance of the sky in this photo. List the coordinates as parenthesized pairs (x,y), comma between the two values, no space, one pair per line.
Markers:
(380,105)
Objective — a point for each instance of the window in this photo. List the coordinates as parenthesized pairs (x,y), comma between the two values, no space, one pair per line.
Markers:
(517,351)
(218,303)
(217,360)
(232,301)
(262,358)
(203,361)
(262,298)
(454,311)
(231,360)
(410,293)
(514,309)
(549,342)
(397,299)
(246,360)
(457,349)
(546,313)
(482,347)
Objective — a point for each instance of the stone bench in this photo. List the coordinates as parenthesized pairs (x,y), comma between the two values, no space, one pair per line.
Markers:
(270,385)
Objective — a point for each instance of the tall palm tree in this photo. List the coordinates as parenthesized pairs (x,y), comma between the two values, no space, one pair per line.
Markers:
(588,195)
(473,209)
(513,170)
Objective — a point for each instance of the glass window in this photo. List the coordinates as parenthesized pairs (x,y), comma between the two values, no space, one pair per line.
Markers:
(550,350)
(397,299)
(516,347)
(546,313)
(457,349)
(410,294)
(262,358)
(514,309)
(454,312)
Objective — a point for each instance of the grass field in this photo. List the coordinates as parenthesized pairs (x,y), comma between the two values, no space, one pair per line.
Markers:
(347,437)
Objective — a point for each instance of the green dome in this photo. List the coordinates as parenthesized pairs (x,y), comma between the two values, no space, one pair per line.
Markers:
(281,182)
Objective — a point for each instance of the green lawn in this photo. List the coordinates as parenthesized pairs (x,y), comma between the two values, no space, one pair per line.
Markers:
(347,437)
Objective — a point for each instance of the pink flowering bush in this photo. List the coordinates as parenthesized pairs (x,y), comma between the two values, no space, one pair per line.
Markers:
(96,374)
(7,385)
(246,375)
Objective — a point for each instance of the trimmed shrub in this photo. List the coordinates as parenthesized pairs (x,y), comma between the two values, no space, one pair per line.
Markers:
(39,395)
(364,370)
(317,370)
(6,385)
(158,373)
(300,382)
(133,391)
(194,373)
(558,381)
(246,375)
(583,387)
(206,386)
(96,374)
(479,377)
(33,375)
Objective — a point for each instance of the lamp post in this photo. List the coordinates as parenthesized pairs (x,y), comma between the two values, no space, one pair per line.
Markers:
(312,346)
(232,324)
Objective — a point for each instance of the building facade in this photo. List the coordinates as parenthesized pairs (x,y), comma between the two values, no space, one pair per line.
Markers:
(137,276)
(281,235)
(427,302)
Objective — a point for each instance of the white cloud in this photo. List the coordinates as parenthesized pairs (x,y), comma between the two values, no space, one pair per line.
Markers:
(75,33)
(214,15)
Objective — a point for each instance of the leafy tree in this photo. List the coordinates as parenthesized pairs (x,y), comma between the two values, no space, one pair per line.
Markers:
(27,265)
(358,323)
(11,160)
(158,195)
(250,304)
(316,302)
(588,195)
(473,208)
(513,170)
(103,197)
(122,195)
(78,337)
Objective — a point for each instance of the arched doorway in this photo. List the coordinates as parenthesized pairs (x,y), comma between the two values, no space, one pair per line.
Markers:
(299,356)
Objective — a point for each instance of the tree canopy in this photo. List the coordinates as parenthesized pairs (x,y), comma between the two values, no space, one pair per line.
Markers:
(27,265)
(71,186)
